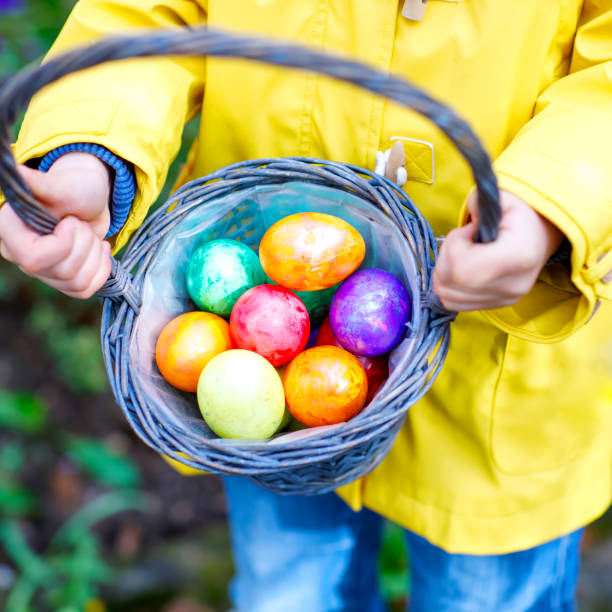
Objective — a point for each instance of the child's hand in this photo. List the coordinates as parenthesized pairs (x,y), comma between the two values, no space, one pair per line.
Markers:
(470,276)
(73,259)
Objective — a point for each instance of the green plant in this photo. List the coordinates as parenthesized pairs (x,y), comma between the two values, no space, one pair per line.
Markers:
(72,569)
(73,347)
(27,30)
(68,575)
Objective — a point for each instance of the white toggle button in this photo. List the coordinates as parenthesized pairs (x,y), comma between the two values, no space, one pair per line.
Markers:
(392,164)
(414,9)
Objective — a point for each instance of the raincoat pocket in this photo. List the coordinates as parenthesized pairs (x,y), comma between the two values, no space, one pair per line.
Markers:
(553,402)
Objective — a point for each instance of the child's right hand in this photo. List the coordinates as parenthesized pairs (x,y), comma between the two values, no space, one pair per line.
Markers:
(73,259)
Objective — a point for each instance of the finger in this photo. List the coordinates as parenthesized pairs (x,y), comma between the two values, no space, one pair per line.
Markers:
(463,302)
(63,275)
(456,244)
(502,292)
(50,192)
(39,184)
(88,271)
(466,265)
(29,250)
(82,240)
(85,195)
(103,273)
(5,253)
(93,275)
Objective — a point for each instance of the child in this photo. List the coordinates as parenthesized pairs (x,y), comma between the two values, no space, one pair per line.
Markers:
(508,456)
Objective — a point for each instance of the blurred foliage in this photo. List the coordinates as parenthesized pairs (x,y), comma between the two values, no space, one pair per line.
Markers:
(68,329)
(74,348)
(394,574)
(68,575)
(103,465)
(35,439)
(27,30)
(21,411)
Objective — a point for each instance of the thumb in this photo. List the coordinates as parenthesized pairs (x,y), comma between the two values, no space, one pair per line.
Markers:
(40,186)
(455,249)
(81,192)
(463,235)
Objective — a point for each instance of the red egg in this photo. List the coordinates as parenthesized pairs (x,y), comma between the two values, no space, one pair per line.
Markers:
(376,368)
(272,321)
(377,371)
(326,335)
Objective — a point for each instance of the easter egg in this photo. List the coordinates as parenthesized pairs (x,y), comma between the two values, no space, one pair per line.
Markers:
(311,251)
(187,344)
(377,372)
(219,272)
(181,468)
(312,339)
(376,368)
(325,385)
(369,312)
(271,321)
(240,395)
(317,302)
(326,335)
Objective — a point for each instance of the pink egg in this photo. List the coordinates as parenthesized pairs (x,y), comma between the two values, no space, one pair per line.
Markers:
(271,321)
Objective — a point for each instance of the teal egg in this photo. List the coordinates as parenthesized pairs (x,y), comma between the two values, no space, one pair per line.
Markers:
(317,302)
(219,272)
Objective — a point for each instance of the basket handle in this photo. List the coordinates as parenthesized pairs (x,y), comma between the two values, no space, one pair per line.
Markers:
(17,92)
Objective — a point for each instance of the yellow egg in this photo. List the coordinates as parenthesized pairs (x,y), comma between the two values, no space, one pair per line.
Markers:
(241,395)
(311,251)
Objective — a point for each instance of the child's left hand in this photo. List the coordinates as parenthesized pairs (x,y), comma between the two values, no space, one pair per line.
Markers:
(471,276)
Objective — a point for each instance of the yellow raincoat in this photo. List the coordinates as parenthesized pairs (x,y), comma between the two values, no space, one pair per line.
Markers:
(513,444)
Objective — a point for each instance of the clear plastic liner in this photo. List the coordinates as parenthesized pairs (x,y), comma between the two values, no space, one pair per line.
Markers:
(245,216)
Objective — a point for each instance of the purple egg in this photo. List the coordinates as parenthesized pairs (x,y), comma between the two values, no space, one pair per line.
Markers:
(369,312)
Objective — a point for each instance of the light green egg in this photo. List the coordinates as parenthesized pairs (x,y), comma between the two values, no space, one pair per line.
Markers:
(241,395)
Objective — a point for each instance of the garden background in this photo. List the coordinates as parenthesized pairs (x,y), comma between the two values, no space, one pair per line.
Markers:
(90,518)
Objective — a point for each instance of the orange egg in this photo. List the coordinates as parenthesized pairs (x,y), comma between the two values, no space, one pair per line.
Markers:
(311,251)
(325,385)
(187,344)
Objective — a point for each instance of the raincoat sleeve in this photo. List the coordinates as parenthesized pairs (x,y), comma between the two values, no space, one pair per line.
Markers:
(134,108)
(561,164)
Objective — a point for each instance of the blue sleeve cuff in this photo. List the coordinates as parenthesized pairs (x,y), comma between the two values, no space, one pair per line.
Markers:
(124,185)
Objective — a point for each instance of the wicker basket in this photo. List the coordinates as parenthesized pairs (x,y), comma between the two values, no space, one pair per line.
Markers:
(229,203)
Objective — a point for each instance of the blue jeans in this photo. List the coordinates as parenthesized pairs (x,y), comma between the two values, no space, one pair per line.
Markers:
(314,554)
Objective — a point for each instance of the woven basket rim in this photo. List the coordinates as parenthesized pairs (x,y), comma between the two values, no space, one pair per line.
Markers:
(384,411)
